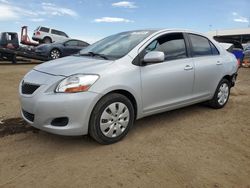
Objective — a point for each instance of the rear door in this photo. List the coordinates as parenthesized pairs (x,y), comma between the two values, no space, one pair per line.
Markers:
(58,35)
(170,83)
(208,65)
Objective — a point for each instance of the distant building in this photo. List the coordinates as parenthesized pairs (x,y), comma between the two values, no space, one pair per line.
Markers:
(239,35)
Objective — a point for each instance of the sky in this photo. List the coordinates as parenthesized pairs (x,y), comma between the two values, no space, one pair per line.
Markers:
(91,20)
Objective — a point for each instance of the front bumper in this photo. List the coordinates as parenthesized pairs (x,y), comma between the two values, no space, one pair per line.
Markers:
(43,106)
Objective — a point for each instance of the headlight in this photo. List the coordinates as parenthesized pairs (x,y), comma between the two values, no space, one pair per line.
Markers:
(76,83)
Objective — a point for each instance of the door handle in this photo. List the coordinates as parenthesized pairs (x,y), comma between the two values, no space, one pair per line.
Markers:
(218,63)
(188,67)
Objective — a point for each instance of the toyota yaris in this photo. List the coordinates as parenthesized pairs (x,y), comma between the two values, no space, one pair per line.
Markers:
(107,86)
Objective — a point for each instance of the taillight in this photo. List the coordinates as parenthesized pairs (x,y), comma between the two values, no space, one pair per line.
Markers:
(38,33)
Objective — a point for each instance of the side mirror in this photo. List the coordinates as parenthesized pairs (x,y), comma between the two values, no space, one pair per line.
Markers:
(154,57)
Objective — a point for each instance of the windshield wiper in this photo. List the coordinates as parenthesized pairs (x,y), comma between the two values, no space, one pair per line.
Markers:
(100,55)
(95,54)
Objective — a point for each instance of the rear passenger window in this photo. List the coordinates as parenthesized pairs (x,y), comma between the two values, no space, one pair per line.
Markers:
(172,45)
(53,31)
(56,32)
(82,44)
(62,34)
(201,46)
(44,29)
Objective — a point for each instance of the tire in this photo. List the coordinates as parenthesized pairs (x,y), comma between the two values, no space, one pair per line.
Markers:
(47,40)
(111,119)
(55,54)
(221,95)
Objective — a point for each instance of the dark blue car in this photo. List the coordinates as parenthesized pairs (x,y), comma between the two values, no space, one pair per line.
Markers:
(61,49)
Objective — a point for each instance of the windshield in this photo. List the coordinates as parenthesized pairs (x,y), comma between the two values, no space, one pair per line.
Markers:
(117,46)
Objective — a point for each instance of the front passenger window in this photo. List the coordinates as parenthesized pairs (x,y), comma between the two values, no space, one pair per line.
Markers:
(172,45)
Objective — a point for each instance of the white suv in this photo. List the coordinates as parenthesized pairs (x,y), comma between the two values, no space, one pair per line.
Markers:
(48,35)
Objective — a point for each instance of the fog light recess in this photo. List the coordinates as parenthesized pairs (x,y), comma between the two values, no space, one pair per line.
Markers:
(60,122)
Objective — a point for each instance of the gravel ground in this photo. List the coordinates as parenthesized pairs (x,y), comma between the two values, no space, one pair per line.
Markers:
(191,147)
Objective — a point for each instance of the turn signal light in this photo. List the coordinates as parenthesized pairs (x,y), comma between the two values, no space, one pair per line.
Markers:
(77,89)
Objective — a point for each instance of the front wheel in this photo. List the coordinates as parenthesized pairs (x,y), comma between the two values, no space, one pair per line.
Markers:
(221,95)
(55,54)
(111,119)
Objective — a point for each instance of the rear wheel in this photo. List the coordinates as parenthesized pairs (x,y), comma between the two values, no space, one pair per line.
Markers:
(111,119)
(55,54)
(221,95)
(47,40)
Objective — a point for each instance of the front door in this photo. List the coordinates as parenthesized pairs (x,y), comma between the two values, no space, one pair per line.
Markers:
(168,84)
(71,47)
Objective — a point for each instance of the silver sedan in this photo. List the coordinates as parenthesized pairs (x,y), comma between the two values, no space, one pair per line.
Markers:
(125,77)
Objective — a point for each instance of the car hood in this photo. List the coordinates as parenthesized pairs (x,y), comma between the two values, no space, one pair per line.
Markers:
(73,65)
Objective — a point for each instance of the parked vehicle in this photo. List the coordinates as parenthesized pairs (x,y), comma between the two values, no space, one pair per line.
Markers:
(61,49)
(246,46)
(8,40)
(235,48)
(48,35)
(125,77)
(10,48)
(247,53)
(238,52)
(228,46)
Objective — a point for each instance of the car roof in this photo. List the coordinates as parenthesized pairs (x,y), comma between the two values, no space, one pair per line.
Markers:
(181,31)
(162,30)
(66,40)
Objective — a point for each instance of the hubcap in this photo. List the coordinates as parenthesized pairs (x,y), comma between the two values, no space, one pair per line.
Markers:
(223,94)
(114,119)
(55,54)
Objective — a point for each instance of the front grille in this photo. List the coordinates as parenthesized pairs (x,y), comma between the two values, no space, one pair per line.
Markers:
(28,88)
(28,116)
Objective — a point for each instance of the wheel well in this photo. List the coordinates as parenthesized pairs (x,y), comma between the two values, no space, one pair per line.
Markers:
(129,96)
(49,55)
(229,78)
(55,49)
(48,38)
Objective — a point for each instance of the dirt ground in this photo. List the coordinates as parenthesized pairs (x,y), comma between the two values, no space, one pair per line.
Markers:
(190,147)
